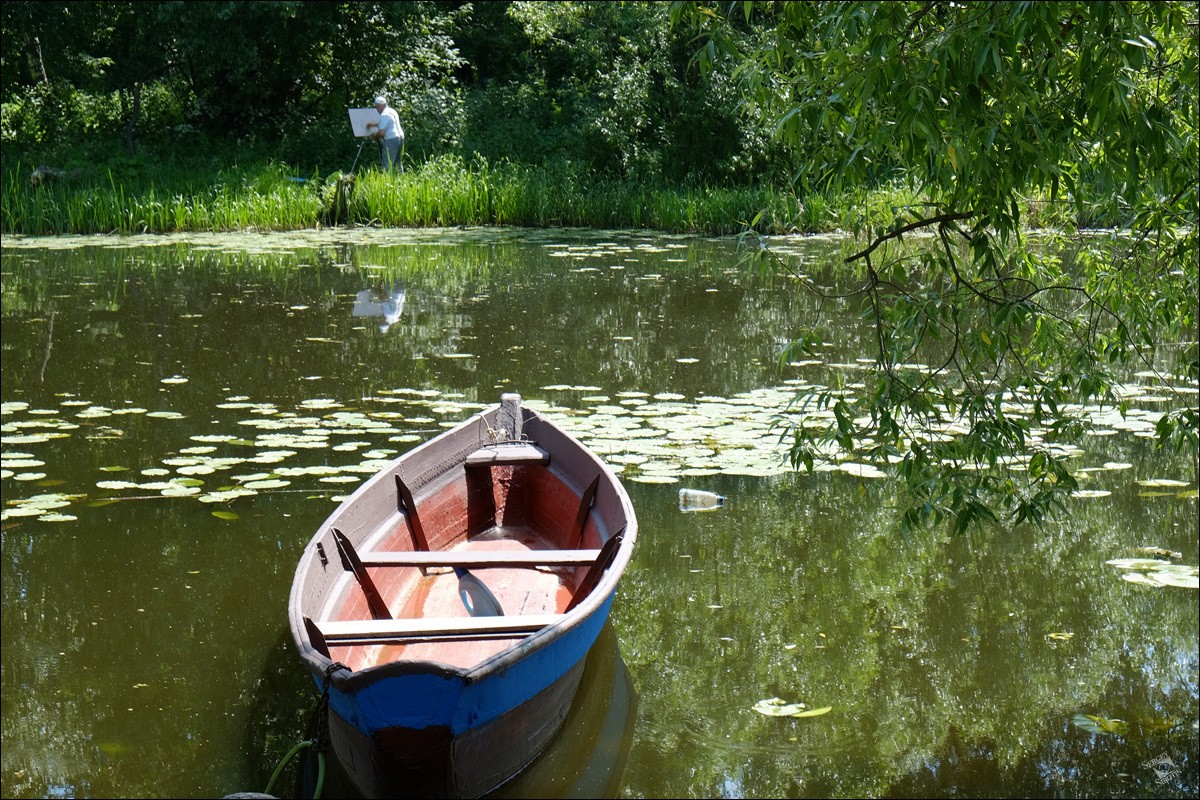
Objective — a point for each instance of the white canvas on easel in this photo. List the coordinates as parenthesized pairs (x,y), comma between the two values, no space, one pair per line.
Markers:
(359,117)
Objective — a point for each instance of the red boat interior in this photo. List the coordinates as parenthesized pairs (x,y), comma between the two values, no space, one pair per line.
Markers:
(509,520)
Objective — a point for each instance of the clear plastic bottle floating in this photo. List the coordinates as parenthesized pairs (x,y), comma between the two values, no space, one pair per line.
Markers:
(697,500)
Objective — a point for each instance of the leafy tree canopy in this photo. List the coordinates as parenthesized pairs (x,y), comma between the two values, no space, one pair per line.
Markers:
(245,69)
(599,83)
(989,110)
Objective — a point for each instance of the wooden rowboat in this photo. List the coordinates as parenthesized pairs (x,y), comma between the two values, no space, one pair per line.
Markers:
(425,698)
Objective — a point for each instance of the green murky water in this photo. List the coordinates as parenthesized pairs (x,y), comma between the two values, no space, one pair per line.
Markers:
(179,414)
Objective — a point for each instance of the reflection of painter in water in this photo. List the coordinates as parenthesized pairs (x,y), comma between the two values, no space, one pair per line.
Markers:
(381,300)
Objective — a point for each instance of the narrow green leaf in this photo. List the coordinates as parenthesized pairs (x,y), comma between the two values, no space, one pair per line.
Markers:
(813,712)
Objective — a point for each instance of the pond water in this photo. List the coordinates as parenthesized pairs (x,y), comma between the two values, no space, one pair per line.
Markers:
(181,413)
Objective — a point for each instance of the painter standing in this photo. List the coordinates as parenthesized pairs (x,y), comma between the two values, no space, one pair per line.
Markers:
(388,133)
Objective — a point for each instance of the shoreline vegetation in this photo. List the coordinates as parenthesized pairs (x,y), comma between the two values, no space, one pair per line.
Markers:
(441,192)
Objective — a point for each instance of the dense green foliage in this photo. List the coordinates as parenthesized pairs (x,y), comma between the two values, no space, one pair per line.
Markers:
(184,116)
(602,84)
(979,106)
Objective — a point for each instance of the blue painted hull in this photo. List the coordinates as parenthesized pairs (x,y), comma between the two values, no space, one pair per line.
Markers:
(461,703)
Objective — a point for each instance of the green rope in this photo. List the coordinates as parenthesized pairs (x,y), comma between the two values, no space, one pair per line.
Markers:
(320,785)
(320,741)
(320,775)
(291,754)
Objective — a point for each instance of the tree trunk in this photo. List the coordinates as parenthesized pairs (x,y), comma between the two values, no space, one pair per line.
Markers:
(37,63)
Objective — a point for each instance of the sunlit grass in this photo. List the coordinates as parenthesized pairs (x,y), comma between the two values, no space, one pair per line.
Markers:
(440,192)
(445,191)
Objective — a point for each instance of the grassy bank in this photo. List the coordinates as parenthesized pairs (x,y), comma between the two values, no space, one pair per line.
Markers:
(440,192)
(444,191)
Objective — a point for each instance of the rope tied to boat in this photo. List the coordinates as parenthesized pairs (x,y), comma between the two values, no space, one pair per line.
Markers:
(321,739)
(498,435)
(510,421)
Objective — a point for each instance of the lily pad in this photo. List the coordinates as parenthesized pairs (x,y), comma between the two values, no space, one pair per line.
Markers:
(226,495)
(1141,578)
(1181,581)
(777,707)
(116,485)
(862,470)
(1158,573)
(1161,482)
(23,463)
(272,483)
(1137,563)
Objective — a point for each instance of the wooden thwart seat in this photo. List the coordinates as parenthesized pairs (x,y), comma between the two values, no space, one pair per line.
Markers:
(403,631)
(476,559)
(398,631)
(507,455)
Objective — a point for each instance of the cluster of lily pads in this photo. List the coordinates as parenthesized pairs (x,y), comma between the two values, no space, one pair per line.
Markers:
(659,438)
(662,438)
(665,437)
(1158,572)
(221,467)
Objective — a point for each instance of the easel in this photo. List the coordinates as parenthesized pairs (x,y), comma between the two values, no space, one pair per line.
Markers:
(355,164)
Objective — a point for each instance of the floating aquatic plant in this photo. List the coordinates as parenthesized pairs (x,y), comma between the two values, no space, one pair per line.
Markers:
(776,707)
(652,437)
(1157,572)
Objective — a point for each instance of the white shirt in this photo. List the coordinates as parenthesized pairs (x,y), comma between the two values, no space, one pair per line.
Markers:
(389,123)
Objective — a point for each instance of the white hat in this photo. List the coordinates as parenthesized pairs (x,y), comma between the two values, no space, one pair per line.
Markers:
(381,101)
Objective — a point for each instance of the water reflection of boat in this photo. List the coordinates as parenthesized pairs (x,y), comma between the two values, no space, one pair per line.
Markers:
(437,701)
(383,301)
(586,758)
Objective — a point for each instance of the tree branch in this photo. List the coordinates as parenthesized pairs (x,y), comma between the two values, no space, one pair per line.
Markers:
(912,25)
(912,226)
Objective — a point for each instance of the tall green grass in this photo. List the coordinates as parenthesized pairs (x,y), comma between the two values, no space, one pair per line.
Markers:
(441,192)
(449,192)
(446,191)
(157,203)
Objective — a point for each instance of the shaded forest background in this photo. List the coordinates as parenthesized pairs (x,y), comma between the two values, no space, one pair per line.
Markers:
(606,86)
